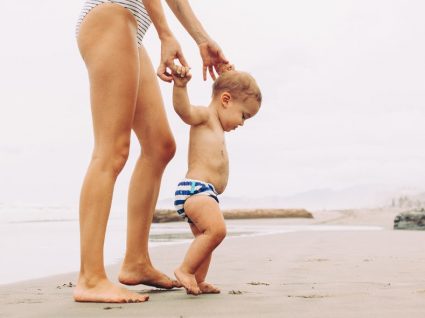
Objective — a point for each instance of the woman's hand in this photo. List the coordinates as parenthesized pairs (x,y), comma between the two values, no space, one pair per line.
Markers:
(170,50)
(212,57)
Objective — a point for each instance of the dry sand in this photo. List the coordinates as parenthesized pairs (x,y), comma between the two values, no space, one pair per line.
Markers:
(301,274)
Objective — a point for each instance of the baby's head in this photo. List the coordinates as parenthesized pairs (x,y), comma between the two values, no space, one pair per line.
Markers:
(237,97)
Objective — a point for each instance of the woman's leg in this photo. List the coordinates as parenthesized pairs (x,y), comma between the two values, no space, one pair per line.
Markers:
(158,147)
(107,43)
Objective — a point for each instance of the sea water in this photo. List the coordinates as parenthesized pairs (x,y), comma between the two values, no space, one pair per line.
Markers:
(44,241)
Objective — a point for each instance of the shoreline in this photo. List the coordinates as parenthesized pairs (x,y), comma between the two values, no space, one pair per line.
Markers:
(175,235)
(297,274)
(43,237)
(48,254)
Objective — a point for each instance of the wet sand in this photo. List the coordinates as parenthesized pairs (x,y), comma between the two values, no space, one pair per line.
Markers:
(301,274)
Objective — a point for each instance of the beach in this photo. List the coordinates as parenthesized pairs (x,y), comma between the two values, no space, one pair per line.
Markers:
(344,264)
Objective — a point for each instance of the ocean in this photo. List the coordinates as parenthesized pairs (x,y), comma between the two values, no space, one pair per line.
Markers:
(37,241)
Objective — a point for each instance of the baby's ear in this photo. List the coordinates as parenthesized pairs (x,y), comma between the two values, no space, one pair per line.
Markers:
(225,99)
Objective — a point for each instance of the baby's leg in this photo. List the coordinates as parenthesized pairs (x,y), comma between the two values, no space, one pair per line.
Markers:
(206,215)
(202,271)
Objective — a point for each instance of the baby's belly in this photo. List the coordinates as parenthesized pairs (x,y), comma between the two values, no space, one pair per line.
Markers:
(220,183)
(217,176)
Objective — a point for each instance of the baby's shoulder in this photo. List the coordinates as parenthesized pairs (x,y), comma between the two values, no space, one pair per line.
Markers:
(202,114)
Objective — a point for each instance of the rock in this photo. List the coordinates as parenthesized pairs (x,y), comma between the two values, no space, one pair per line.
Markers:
(266,213)
(164,215)
(410,220)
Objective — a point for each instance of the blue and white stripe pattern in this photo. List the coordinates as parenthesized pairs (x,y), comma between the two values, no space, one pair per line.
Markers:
(189,187)
(136,8)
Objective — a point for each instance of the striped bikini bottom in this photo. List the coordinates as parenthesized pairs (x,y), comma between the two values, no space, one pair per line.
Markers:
(189,187)
(134,6)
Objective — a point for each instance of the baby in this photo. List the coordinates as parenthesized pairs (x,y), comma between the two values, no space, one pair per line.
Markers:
(235,98)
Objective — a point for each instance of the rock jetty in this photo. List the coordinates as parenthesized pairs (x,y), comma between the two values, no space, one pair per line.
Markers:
(168,215)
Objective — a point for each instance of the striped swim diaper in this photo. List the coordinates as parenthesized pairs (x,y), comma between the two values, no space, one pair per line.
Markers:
(189,187)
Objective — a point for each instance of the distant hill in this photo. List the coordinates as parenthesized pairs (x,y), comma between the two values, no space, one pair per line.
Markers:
(362,196)
(419,196)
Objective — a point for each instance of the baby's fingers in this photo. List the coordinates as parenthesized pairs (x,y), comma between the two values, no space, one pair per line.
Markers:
(178,70)
(188,75)
(183,72)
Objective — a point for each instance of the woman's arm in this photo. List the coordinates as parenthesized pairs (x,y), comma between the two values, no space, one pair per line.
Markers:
(156,13)
(211,53)
(170,48)
(186,16)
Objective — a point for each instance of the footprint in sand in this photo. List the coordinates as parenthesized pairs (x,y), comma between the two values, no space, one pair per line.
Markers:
(313,296)
(70,285)
(316,260)
(109,307)
(258,283)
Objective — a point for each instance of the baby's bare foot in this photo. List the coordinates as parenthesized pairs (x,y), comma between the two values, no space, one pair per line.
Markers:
(146,276)
(188,281)
(207,288)
(106,292)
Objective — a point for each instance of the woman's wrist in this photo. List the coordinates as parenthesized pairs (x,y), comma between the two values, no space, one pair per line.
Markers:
(164,35)
(201,38)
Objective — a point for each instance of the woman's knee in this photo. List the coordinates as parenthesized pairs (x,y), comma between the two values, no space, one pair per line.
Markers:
(168,150)
(161,150)
(112,158)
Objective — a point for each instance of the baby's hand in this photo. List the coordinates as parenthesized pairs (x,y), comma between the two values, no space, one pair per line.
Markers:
(181,75)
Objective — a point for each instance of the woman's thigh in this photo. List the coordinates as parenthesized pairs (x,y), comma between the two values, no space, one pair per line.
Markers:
(107,42)
(150,120)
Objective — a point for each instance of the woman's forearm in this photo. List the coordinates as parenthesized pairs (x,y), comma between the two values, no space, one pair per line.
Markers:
(156,13)
(186,16)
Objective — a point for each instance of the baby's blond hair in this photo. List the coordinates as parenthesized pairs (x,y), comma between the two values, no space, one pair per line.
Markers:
(238,84)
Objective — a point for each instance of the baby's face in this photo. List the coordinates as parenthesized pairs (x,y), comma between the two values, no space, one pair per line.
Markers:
(238,111)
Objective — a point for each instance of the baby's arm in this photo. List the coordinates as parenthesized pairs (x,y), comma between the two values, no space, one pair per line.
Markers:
(191,115)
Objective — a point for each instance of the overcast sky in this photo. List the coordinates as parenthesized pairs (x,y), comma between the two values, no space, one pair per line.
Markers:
(343,85)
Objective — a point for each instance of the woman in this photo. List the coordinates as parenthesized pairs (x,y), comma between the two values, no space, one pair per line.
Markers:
(125,96)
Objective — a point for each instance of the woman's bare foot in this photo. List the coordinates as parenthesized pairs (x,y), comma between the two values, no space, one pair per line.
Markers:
(188,281)
(106,292)
(146,275)
(207,288)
